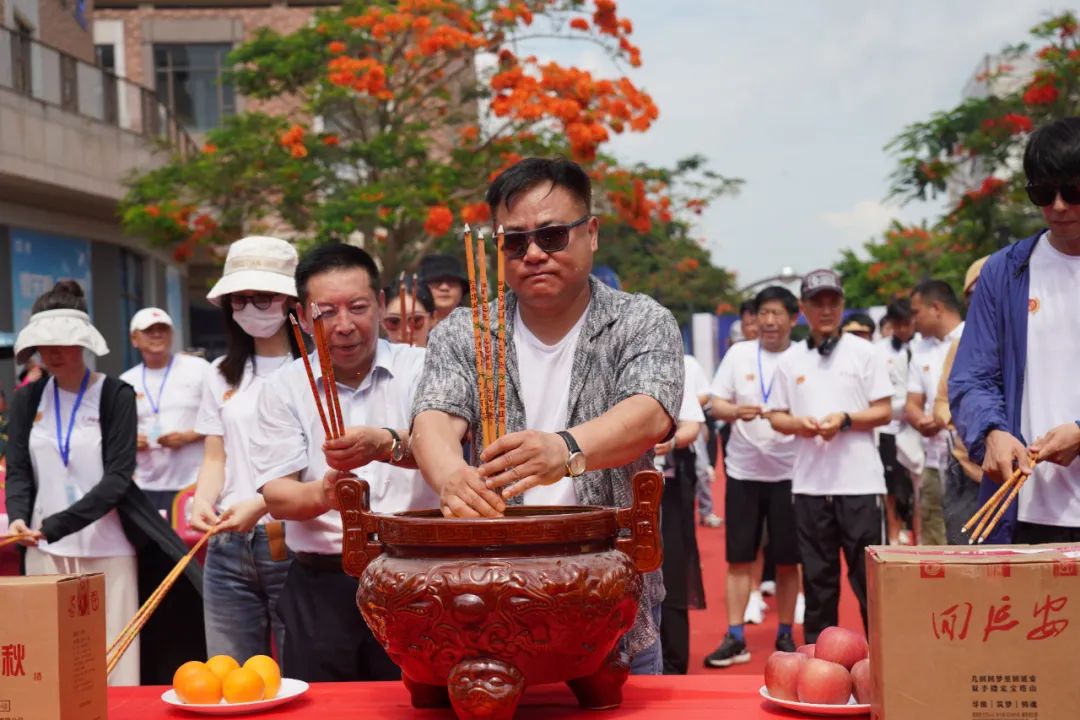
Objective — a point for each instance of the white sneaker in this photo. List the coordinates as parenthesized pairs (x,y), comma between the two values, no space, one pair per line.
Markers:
(904,537)
(768,587)
(755,609)
(712,520)
(800,609)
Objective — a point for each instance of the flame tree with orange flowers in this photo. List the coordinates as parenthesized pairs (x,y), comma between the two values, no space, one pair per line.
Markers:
(402,112)
(970,155)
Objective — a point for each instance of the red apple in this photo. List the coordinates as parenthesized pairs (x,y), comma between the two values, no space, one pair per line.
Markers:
(807,650)
(782,674)
(860,679)
(842,646)
(824,683)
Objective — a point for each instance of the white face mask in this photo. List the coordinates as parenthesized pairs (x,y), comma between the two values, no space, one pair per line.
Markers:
(261,323)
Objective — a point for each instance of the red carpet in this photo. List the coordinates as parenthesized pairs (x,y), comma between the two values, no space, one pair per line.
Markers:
(707,627)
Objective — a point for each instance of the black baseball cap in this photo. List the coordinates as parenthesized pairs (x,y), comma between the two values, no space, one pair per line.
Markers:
(816,282)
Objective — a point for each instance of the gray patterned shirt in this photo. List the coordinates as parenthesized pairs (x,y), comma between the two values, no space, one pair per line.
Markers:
(630,345)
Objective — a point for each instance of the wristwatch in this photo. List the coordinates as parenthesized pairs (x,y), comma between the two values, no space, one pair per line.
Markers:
(397,448)
(845,425)
(575,463)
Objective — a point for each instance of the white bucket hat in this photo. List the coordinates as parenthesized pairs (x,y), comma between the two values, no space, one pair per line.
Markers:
(59,327)
(261,263)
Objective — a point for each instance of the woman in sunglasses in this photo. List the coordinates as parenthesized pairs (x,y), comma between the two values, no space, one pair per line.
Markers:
(411,326)
(247,561)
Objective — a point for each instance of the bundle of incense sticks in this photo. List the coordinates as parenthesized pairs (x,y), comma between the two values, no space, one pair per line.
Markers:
(131,631)
(11,539)
(490,373)
(330,414)
(406,328)
(986,517)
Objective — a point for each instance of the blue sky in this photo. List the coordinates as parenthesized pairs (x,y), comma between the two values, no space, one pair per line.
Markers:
(799,99)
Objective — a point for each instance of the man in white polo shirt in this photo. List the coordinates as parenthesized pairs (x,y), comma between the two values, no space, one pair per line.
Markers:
(758,463)
(326,639)
(830,394)
(936,311)
(168,388)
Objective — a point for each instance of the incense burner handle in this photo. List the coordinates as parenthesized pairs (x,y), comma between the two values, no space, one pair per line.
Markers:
(358,525)
(642,519)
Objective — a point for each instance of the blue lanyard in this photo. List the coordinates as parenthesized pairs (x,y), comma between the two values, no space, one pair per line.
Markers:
(64,446)
(761,377)
(156,406)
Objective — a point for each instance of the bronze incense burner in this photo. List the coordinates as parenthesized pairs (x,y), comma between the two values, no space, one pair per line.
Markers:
(473,611)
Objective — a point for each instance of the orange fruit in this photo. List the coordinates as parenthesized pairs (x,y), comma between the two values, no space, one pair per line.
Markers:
(198,686)
(183,670)
(243,685)
(269,671)
(222,665)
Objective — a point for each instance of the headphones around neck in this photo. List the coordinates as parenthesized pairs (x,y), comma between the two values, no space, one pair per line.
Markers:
(827,345)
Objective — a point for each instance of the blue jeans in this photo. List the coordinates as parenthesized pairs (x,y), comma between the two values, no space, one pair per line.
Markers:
(649,661)
(241,584)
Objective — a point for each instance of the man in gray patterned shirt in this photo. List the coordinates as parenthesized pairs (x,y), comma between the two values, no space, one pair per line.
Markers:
(595,377)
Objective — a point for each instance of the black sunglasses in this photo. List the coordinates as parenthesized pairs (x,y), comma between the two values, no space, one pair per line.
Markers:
(393,322)
(1044,195)
(261,301)
(550,239)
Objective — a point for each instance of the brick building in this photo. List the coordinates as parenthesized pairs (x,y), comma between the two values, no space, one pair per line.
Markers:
(178,47)
(70,133)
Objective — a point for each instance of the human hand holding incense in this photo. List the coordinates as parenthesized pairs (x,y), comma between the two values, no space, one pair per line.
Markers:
(358,447)
(463,493)
(1059,446)
(522,460)
(1003,453)
(29,537)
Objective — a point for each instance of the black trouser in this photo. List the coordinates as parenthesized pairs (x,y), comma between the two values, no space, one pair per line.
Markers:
(897,478)
(326,638)
(1036,534)
(961,501)
(827,525)
(682,564)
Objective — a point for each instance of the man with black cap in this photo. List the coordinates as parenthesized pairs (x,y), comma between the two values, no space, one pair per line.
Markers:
(831,393)
(447,282)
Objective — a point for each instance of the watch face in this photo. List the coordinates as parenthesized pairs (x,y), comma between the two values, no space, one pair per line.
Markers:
(576,463)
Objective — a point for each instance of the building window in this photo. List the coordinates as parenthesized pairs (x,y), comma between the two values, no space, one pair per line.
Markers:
(106,57)
(131,298)
(188,79)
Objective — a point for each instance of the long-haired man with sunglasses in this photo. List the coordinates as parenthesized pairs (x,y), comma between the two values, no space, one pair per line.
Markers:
(595,377)
(1012,385)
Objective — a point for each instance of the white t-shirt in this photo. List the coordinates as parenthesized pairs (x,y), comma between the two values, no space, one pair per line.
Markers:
(1052,495)
(60,487)
(754,451)
(924,374)
(897,362)
(288,438)
(696,382)
(229,413)
(545,393)
(177,402)
(807,384)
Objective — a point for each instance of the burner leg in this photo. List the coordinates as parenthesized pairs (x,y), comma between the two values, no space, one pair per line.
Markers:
(602,689)
(426,696)
(485,688)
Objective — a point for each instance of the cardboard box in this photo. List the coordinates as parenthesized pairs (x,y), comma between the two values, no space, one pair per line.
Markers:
(52,648)
(988,633)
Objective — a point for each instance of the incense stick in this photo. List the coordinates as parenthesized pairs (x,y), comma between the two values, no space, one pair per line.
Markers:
(470,263)
(990,504)
(310,373)
(406,334)
(412,309)
(500,405)
(485,338)
(333,404)
(130,631)
(14,539)
(1004,506)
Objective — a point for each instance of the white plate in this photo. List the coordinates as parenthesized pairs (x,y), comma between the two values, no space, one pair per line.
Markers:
(852,708)
(290,690)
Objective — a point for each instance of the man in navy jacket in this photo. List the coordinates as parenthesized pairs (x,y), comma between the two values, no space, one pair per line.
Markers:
(1012,388)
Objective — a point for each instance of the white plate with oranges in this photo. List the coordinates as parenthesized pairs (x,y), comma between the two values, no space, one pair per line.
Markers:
(221,686)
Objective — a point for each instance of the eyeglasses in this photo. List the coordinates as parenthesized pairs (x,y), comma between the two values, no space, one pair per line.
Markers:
(392,323)
(1045,195)
(261,301)
(550,239)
